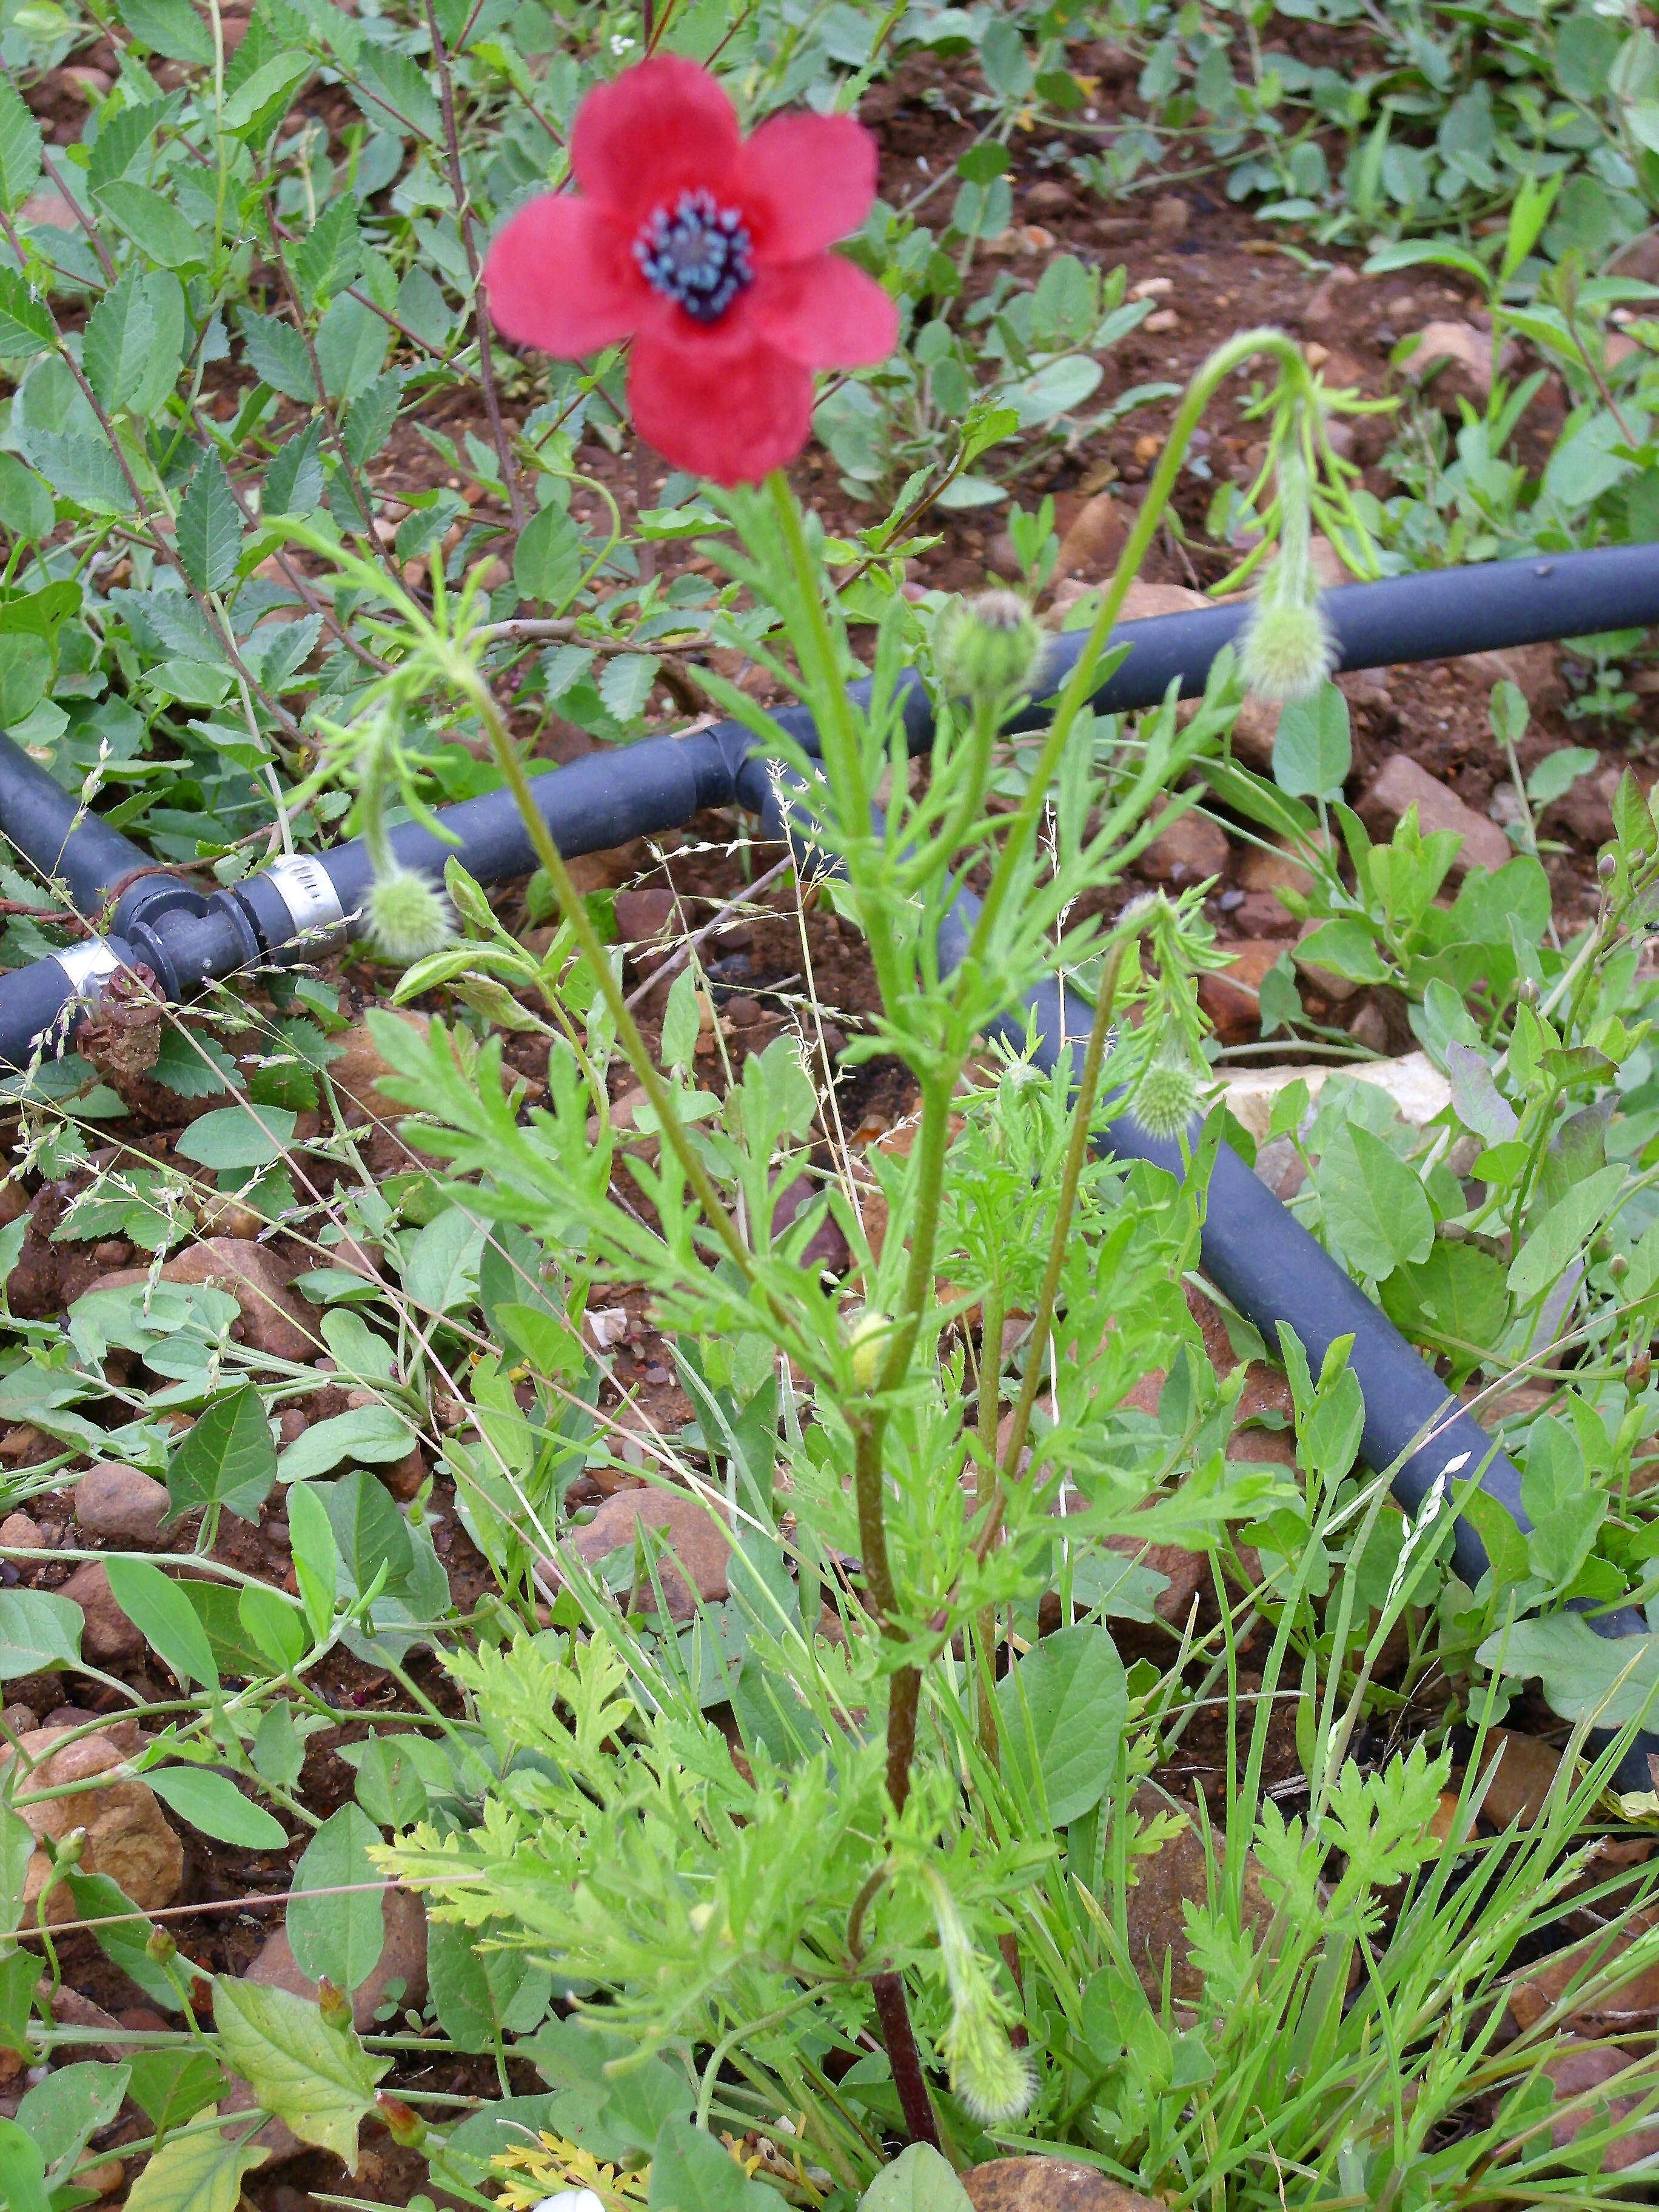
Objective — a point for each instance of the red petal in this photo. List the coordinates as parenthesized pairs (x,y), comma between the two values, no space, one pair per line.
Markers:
(559,277)
(804,181)
(731,412)
(824,312)
(657,130)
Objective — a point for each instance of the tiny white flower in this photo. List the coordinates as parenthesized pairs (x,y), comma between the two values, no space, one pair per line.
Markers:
(618,45)
(570,2200)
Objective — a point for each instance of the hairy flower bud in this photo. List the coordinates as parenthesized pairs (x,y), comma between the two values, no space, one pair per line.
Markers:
(993,2081)
(333,2004)
(988,647)
(1288,649)
(409,916)
(161,1945)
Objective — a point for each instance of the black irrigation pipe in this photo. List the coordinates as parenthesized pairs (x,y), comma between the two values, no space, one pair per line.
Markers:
(1252,1248)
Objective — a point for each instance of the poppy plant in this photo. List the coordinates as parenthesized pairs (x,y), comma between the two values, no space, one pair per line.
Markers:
(710,251)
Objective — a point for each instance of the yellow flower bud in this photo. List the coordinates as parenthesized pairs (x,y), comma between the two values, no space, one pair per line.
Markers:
(872,1333)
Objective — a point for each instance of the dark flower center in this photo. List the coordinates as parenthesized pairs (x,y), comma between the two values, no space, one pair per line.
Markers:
(695,254)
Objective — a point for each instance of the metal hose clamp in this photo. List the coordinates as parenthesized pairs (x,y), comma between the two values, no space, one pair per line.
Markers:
(88,964)
(307,891)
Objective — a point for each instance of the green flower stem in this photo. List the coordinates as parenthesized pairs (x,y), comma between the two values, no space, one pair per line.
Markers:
(467,679)
(1077,1147)
(1074,695)
(838,737)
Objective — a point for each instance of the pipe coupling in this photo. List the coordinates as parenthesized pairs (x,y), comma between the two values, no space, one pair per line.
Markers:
(306,890)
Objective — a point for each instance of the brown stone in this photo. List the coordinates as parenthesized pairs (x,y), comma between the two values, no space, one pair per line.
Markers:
(1532,669)
(1591,2072)
(1260,914)
(1166,1879)
(1049,2184)
(1270,868)
(403,1958)
(1584,811)
(1191,848)
(120,1503)
(696,1540)
(1520,1771)
(1401,784)
(1231,996)
(1142,601)
(1171,217)
(1457,360)
(1092,546)
(1330,303)
(274,1321)
(1184,1572)
(359,1067)
(19,1534)
(642,916)
(1614,2006)
(127,1837)
(108,1637)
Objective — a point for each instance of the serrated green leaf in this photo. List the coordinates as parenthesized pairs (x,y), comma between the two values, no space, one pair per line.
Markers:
(118,339)
(172,28)
(197,2172)
(277,354)
(331,255)
(261,99)
(20,149)
(547,561)
(369,418)
(26,507)
(82,470)
(123,138)
(317,2078)
(209,527)
(25,326)
(625,684)
(393,94)
(153,224)
(294,481)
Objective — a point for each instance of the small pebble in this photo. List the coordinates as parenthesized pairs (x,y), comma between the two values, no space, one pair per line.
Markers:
(658,1374)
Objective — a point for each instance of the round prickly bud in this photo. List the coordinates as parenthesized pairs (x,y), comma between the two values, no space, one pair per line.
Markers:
(988,647)
(410,916)
(1165,1099)
(871,1335)
(1288,650)
(333,2004)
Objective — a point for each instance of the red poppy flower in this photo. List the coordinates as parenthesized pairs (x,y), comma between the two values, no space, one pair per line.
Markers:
(709,251)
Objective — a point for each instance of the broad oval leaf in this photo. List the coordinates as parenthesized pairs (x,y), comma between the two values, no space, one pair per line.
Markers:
(213,1803)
